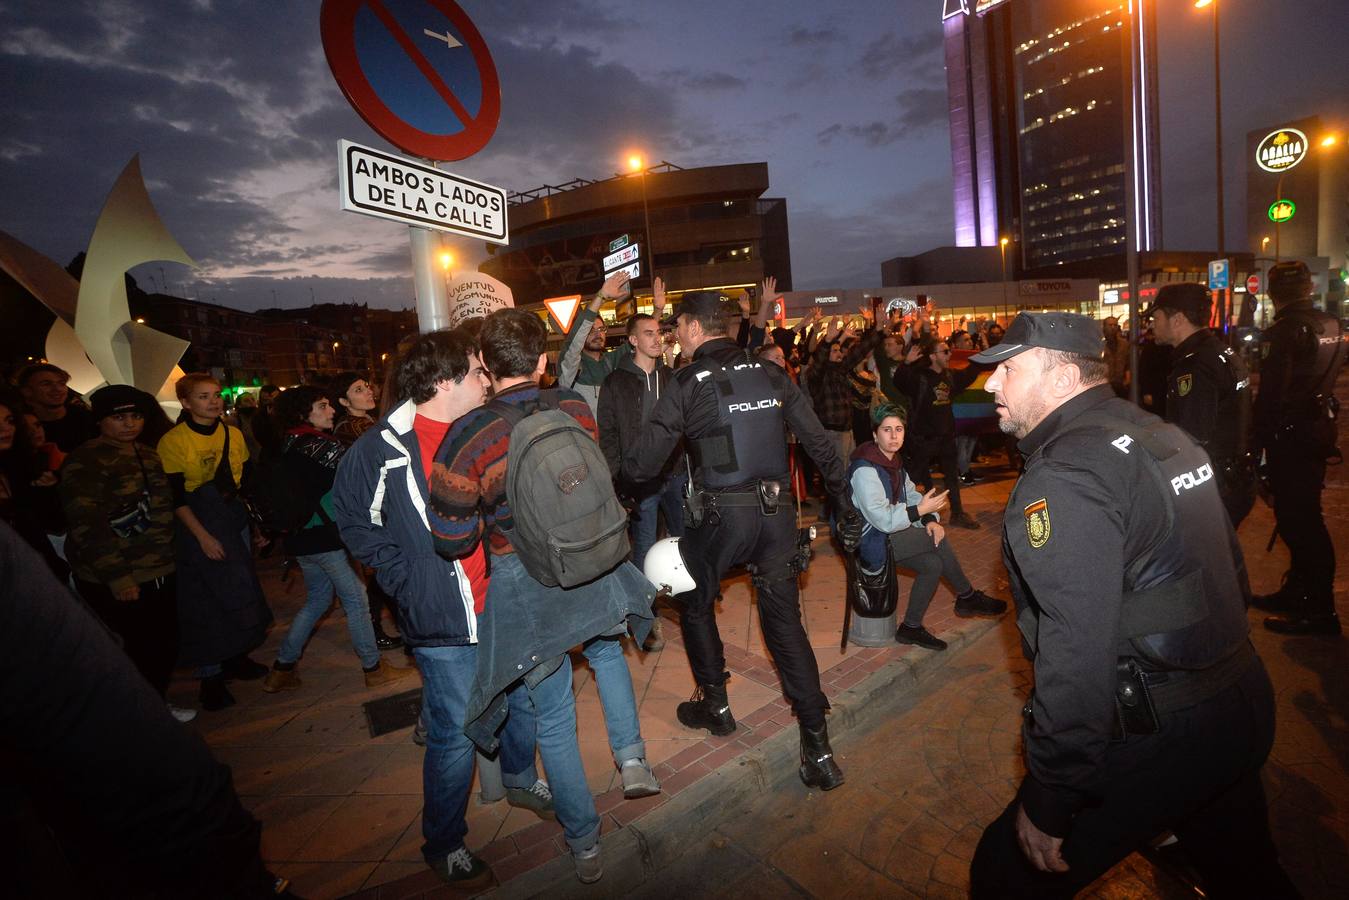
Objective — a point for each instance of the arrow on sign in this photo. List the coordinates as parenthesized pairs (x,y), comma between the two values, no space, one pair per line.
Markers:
(450,42)
(563,310)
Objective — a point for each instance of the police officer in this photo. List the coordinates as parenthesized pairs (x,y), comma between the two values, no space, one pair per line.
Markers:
(732,408)
(1301,355)
(1151,710)
(1208,391)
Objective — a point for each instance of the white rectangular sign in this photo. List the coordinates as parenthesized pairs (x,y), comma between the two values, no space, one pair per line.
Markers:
(621,257)
(634,270)
(380,184)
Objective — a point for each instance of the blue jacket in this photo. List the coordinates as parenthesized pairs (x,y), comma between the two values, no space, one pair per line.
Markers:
(379,498)
(885,506)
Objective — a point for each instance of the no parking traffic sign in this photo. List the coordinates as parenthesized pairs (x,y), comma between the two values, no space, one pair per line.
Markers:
(417,71)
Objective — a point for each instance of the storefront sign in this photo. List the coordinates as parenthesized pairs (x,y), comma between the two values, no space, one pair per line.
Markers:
(1281,211)
(1046,287)
(1280,150)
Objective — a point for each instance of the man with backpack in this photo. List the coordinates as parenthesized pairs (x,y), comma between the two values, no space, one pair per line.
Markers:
(380,499)
(526,475)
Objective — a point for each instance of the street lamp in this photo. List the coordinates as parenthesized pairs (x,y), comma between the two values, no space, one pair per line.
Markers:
(1002,255)
(1217,119)
(635,163)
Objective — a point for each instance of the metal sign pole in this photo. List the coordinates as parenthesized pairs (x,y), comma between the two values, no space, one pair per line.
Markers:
(433,306)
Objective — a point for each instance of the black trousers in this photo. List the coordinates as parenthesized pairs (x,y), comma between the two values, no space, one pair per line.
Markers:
(148,625)
(919,454)
(767,544)
(1297,478)
(1199,777)
(912,549)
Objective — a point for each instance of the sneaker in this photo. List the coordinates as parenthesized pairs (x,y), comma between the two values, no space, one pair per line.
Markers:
(243,668)
(638,779)
(537,798)
(462,869)
(281,680)
(589,866)
(963,519)
(919,636)
(969,479)
(181,714)
(979,604)
(386,673)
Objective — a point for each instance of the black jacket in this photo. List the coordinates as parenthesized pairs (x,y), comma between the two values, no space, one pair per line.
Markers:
(692,408)
(1301,355)
(930,394)
(1208,393)
(627,399)
(1091,521)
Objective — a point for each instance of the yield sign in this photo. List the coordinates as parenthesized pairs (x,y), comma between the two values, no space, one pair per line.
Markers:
(563,310)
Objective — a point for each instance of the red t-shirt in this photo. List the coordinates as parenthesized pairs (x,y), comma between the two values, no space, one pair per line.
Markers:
(430,435)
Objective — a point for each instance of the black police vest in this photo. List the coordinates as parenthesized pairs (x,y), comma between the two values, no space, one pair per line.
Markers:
(748,442)
(1233,414)
(1314,373)
(1184,605)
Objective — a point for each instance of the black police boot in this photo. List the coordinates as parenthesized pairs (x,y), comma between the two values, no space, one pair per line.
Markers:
(1298,623)
(708,708)
(1289,597)
(818,768)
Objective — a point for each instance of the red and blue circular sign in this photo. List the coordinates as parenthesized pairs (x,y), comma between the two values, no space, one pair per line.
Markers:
(417,71)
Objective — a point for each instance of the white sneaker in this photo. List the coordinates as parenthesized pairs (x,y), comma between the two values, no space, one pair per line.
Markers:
(181,714)
(589,866)
(638,779)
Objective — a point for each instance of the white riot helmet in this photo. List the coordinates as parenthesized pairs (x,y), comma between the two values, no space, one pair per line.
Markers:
(664,567)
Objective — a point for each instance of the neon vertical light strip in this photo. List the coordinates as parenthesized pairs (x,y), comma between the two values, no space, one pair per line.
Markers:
(1145,214)
(1132,77)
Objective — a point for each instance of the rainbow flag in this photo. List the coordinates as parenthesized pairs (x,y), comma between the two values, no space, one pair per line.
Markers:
(974,409)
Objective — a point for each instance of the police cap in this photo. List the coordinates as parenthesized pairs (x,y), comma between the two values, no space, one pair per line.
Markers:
(1069,332)
(1189,298)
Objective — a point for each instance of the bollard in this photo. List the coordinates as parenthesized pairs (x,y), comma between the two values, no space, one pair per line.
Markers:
(868,632)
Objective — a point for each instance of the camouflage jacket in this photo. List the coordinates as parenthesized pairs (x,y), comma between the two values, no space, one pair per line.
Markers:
(103,482)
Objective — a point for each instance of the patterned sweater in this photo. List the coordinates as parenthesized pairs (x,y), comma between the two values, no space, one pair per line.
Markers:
(468,478)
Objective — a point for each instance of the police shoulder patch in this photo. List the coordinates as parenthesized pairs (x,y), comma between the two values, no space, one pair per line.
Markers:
(1184,383)
(1037,523)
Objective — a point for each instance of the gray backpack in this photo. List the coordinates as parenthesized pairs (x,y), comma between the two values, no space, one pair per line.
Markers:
(569,526)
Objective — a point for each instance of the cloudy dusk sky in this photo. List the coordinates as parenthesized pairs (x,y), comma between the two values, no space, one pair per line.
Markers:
(236,117)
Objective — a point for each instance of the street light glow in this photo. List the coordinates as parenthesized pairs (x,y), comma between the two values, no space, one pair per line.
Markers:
(1004,242)
(1330,140)
(634,162)
(1200,4)
(446,260)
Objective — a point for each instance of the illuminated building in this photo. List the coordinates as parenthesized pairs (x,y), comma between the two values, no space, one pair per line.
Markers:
(1038,96)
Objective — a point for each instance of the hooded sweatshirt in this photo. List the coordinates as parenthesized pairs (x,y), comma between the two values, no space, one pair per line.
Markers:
(886,498)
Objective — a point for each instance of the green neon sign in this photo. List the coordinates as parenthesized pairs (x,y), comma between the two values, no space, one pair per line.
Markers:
(1281,211)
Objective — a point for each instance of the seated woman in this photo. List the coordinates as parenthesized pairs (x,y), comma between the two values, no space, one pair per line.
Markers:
(896,513)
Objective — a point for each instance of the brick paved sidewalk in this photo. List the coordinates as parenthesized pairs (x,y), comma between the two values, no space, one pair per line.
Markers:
(341,811)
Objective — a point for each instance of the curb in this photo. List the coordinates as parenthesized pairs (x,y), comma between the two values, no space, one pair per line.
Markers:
(637,852)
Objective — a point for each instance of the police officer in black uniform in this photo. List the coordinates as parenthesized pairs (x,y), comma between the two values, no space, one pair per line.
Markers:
(1208,391)
(1151,711)
(1295,411)
(732,409)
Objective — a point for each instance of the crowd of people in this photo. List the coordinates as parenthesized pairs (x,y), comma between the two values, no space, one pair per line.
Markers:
(434,509)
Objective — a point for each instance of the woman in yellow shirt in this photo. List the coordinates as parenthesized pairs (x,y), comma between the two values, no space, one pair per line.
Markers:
(222,613)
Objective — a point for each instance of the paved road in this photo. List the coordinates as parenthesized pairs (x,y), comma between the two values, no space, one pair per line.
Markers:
(946,760)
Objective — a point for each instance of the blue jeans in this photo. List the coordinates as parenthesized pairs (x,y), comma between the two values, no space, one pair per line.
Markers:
(325,573)
(447,768)
(614,683)
(554,709)
(670,500)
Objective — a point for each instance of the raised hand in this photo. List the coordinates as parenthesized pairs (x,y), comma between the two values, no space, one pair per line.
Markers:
(657,295)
